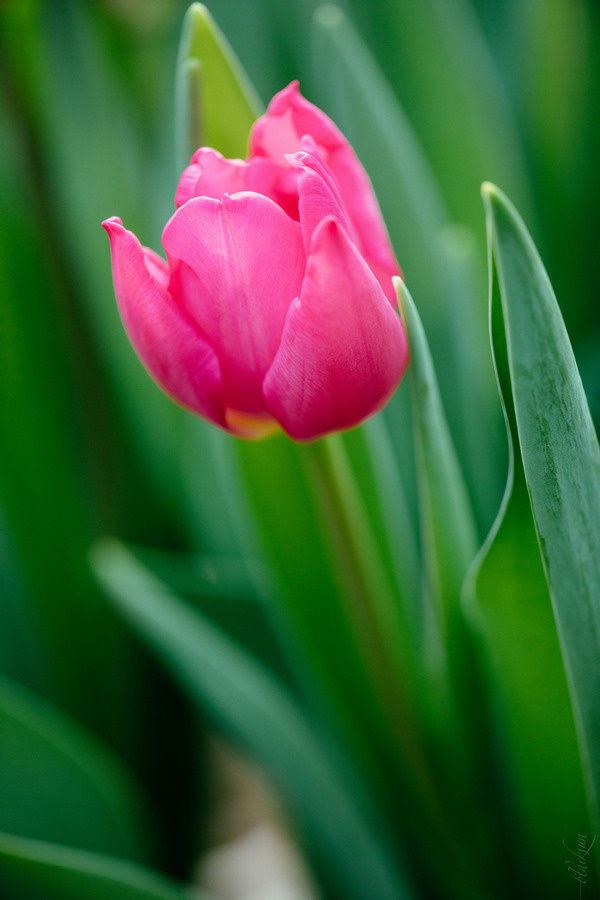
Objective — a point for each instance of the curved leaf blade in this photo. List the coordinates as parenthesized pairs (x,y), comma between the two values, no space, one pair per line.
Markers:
(531,714)
(53,872)
(57,783)
(258,712)
(561,460)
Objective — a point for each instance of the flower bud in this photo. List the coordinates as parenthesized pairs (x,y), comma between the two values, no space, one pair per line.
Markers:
(276,307)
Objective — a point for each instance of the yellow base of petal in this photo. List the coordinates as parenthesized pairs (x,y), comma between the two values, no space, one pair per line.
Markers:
(252,428)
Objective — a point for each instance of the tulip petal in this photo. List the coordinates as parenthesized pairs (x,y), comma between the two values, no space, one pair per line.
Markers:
(275,133)
(288,118)
(236,265)
(343,350)
(318,195)
(363,210)
(171,348)
(211,175)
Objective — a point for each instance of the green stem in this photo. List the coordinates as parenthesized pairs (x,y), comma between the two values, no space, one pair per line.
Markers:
(373,609)
(371,599)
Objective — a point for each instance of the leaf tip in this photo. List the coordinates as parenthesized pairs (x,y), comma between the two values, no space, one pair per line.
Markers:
(328,15)
(494,198)
(401,292)
(197,23)
(491,195)
(197,11)
(398,283)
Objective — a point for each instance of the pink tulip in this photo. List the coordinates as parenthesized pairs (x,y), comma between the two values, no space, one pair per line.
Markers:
(276,308)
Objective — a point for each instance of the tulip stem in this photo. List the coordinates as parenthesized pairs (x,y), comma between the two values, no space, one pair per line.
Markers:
(372,604)
(372,601)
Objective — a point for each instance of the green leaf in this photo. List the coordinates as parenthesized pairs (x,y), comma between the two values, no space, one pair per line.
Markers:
(470,395)
(214,484)
(351,88)
(538,758)
(449,547)
(435,55)
(89,120)
(253,708)
(381,483)
(234,593)
(323,546)
(287,498)
(449,539)
(57,783)
(561,460)
(215,101)
(558,44)
(36,870)
(20,656)
(440,263)
(46,470)
(336,596)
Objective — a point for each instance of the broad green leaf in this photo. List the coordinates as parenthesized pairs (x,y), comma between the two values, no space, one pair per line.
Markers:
(538,760)
(253,708)
(561,461)
(57,783)
(216,103)
(36,870)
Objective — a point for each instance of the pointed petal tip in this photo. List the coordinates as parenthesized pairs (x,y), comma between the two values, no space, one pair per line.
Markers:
(292,88)
(284,98)
(112,224)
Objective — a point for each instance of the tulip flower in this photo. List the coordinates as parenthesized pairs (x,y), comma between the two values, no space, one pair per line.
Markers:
(275,308)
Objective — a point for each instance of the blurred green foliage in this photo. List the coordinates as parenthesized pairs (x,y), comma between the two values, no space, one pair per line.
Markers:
(436,96)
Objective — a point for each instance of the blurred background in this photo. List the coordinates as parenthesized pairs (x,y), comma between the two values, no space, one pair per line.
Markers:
(436,97)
